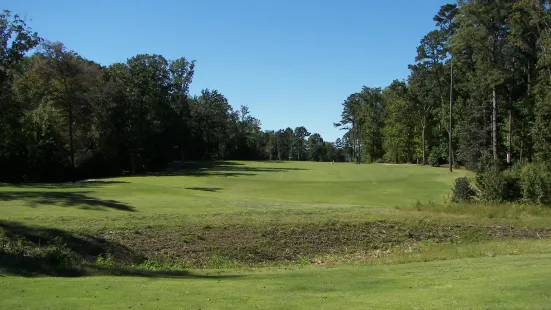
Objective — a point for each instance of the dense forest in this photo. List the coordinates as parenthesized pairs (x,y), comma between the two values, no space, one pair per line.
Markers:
(65,117)
(478,92)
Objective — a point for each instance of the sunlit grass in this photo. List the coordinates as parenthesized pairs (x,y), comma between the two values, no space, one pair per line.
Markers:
(501,282)
(471,271)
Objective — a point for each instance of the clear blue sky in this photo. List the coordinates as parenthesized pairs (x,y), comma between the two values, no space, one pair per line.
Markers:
(292,62)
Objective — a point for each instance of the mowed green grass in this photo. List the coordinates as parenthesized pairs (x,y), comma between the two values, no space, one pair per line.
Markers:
(506,282)
(504,274)
(230,186)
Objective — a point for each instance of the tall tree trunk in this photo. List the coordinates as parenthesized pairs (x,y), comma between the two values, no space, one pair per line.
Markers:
(410,155)
(71,143)
(372,159)
(353,140)
(510,138)
(423,141)
(69,101)
(133,162)
(521,149)
(494,123)
(354,147)
(360,145)
(543,45)
(182,152)
(450,147)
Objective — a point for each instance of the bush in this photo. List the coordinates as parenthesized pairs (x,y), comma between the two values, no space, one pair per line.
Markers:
(497,186)
(484,161)
(438,156)
(434,159)
(535,183)
(512,191)
(491,185)
(462,190)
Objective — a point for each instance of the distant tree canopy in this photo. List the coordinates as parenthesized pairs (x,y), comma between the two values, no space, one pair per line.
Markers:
(499,55)
(65,117)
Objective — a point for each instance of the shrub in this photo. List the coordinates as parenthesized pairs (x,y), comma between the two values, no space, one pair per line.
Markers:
(535,183)
(491,185)
(512,191)
(434,159)
(106,260)
(438,156)
(462,190)
(498,186)
(484,161)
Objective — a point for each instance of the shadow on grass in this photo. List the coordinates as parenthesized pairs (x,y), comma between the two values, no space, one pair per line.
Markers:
(84,245)
(205,189)
(134,272)
(37,251)
(92,183)
(64,199)
(220,168)
(197,169)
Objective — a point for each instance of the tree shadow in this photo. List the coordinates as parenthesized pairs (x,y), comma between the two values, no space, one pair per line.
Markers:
(64,199)
(135,272)
(199,173)
(54,252)
(91,183)
(205,189)
(209,164)
(37,251)
(220,168)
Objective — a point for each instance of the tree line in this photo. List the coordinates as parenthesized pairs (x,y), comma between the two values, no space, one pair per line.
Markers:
(64,117)
(478,92)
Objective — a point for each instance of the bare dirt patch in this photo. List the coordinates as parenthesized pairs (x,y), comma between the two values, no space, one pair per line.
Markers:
(287,243)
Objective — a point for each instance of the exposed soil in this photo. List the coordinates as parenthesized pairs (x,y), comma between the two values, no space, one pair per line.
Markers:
(35,250)
(253,245)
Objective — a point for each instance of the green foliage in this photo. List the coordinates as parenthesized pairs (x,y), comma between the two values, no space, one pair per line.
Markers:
(362,117)
(66,117)
(16,39)
(106,260)
(501,74)
(512,185)
(530,183)
(54,258)
(542,126)
(498,186)
(491,184)
(535,181)
(435,158)
(398,131)
(462,190)
(489,212)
